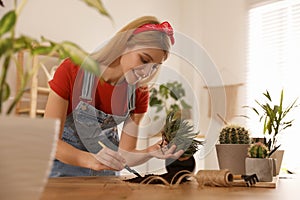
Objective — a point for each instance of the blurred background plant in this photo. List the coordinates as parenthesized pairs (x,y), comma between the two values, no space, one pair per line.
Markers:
(169,97)
(11,44)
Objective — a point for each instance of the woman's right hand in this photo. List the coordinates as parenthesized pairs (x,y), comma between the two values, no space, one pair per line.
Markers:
(107,159)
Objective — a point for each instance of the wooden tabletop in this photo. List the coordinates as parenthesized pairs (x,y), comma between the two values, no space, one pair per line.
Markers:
(86,188)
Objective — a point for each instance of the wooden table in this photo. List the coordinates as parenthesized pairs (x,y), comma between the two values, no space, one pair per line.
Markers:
(86,188)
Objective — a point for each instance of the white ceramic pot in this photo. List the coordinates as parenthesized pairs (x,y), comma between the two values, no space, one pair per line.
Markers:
(262,167)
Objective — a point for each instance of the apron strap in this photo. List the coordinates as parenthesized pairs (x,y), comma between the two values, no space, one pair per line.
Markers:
(87,87)
(131,97)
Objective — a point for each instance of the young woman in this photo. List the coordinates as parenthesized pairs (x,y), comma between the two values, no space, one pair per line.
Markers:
(90,108)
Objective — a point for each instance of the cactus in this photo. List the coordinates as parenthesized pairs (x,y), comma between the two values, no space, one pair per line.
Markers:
(234,134)
(258,150)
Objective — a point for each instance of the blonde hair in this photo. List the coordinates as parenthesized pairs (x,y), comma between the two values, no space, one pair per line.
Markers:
(125,38)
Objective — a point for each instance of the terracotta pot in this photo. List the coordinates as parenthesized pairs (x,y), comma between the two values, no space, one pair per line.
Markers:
(262,167)
(232,157)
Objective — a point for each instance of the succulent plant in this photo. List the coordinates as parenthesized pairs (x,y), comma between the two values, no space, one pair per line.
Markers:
(180,132)
(234,134)
(258,150)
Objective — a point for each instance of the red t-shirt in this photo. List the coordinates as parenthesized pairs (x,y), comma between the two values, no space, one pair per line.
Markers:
(108,98)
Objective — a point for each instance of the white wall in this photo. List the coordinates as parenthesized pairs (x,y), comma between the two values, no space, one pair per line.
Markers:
(218,26)
(73,20)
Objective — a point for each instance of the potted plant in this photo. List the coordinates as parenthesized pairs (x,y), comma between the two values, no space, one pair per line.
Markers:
(168,98)
(259,163)
(233,147)
(274,118)
(180,132)
(29,143)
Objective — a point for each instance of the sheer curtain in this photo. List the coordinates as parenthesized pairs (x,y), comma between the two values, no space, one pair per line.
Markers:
(274,64)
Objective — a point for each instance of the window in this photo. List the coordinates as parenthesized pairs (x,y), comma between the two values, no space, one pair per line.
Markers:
(273,64)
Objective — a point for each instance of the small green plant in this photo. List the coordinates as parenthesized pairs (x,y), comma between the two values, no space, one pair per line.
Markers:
(234,134)
(258,150)
(169,97)
(180,132)
(274,120)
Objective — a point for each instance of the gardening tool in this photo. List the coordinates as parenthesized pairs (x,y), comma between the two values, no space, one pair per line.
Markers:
(249,179)
(126,166)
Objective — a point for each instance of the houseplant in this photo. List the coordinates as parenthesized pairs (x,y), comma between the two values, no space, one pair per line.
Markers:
(274,118)
(176,131)
(10,44)
(28,144)
(169,97)
(259,163)
(232,149)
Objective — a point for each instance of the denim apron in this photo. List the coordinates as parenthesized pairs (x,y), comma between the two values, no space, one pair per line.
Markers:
(86,125)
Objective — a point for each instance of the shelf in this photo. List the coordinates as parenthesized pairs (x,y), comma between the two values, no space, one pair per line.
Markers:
(42,68)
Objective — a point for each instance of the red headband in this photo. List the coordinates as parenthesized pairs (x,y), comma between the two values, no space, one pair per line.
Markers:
(164,27)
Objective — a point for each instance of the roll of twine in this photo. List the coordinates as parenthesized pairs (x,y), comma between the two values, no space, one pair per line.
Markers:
(222,178)
(219,178)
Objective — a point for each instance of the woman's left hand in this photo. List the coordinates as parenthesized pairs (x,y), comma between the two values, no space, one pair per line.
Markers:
(161,151)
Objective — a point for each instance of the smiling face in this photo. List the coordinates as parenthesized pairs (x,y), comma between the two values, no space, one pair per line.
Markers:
(141,63)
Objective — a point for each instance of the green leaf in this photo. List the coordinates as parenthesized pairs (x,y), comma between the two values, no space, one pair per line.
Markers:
(97,4)
(267,94)
(176,90)
(5,92)
(174,107)
(185,105)
(164,91)
(24,42)
(280,103)
(155,101)
(5,45)
(174,95)
(80,57)
(7,22)
(273,150)
(42,50)
(293,105)
(153,92)
(255,110)
(3,89)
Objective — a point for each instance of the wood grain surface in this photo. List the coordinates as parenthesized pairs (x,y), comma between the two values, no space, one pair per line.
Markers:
(114,188)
